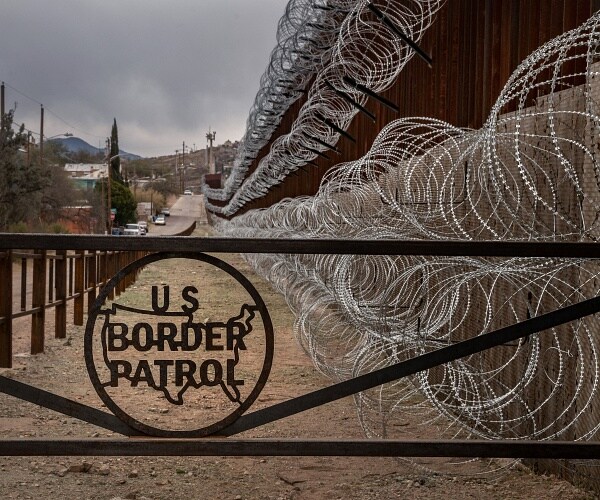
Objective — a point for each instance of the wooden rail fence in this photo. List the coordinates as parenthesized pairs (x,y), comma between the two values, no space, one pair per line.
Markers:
(50,279)
(55,277)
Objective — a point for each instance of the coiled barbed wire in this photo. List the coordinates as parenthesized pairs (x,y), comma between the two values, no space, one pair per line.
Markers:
(305,38)
(531,173)
(366,52)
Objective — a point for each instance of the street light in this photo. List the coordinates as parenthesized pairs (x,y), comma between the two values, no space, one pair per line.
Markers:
(66,134)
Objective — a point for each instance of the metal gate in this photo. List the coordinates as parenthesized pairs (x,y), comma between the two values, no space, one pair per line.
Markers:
(222,442)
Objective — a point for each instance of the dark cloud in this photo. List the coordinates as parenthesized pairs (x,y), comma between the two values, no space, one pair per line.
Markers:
(166,70)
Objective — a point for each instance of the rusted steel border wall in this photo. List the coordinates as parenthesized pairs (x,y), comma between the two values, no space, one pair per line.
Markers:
(475,46)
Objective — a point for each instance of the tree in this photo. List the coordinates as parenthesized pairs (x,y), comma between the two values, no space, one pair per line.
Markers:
(58,194)
(58,191)
(122,199)
(166,189)
(21,181)
(115,163)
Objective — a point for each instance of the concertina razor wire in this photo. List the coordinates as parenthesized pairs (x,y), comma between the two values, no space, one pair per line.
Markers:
(530,173)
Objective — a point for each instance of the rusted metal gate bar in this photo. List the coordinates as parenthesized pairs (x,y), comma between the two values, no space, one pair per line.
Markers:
(296,447)
(65,406)
(331,393)
(304,246)
(414,365)
(145,446)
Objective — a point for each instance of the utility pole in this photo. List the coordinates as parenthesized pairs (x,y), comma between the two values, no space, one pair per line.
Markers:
(2,106)
(210,137)
(102,204)
(177,171)
(29,148)
(42,135)
(183,167)
(109,213)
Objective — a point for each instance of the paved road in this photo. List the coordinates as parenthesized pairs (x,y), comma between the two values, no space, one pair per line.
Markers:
(184,212)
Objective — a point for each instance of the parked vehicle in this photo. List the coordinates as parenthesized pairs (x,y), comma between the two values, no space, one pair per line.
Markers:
(188,192)
(166,211)
(116,231)
(160,220)
(132,230)
(143,227)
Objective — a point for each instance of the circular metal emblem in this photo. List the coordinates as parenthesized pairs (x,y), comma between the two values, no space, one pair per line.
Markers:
(179,360)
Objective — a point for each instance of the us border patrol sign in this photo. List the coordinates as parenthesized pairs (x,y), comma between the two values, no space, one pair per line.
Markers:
(175,360)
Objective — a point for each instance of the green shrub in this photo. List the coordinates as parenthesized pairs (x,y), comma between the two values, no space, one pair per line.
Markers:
(18,227)
(57,228)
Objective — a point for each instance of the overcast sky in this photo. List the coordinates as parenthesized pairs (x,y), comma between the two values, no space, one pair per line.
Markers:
(165,69)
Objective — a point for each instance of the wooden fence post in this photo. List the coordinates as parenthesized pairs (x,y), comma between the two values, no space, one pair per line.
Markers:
(79,284)
(121,263)
(6,299)
(71,274)
(126,261)
(111,272)
(51,266)
(92,280)
(38,301)
(23,283)
(103,278)
(60,311)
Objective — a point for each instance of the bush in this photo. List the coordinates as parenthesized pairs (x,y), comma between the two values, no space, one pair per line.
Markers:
(18,227)
(57,228)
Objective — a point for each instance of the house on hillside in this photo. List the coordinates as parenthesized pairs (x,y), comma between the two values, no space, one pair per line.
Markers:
(85,175)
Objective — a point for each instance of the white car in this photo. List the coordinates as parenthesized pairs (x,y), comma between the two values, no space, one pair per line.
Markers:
(132,230)
(160,220)
(143,225)
(188,192)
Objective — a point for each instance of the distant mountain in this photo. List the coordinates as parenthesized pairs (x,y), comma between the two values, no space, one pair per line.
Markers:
(76,145)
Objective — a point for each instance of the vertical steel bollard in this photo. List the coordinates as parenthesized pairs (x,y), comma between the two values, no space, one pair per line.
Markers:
(92,280)
(121,256)
(23,283)
(79,284)
(60,311)
(6,309)
(103,278)
(111,257)
(51,266)
(38,301)
(71,260)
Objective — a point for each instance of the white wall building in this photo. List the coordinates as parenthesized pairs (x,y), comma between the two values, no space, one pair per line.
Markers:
(85,175)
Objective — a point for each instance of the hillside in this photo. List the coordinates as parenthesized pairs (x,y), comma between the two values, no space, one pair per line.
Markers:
(77,145)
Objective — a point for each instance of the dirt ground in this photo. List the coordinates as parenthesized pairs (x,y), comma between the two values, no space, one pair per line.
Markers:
(61,369)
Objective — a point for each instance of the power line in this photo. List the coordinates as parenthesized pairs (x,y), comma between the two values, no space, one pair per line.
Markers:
(72,126)
(23,94)
(53,113)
